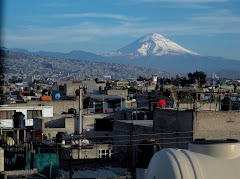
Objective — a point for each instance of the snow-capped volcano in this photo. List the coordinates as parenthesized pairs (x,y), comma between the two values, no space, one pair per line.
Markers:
(152,45)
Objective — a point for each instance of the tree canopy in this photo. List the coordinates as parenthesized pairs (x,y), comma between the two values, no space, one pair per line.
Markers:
(199,76)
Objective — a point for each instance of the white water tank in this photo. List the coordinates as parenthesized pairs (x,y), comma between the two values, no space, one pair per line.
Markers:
(203,160)
(154,78)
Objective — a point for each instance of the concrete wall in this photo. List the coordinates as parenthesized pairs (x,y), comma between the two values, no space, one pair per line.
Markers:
(142,100)
(172,120)
(120,115)
(203,106)
(227,87)
(1,159)
(47,111)
(147,88)
(169,128)
(59,106)
(20,173)
(216,125)
(89,123)
(123,93)
(175,127)
(90,153)
(121,130)
(51,132)
(101,84)
(85,153)
(70,88)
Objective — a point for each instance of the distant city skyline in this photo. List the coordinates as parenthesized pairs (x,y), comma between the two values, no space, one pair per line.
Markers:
(208,27)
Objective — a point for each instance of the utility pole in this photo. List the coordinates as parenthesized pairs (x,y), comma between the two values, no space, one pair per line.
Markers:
(121,104)
(80,117)
(70,163)
(219,99)
(196,97)
(132,168)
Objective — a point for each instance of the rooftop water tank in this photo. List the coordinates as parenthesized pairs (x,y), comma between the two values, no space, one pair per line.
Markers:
(154,78)
(18,120)
(45,98)
(146,149)
(203,160)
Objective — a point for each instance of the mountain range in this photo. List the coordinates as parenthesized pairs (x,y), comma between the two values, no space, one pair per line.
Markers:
(26,66)
(152,51)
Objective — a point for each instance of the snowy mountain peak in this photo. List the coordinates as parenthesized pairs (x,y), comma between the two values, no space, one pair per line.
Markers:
(152,45)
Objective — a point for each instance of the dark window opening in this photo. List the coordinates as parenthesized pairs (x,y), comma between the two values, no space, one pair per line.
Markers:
(61,87)
(34,113)
(7,114)
(98,107)
(114,104)
(103,125)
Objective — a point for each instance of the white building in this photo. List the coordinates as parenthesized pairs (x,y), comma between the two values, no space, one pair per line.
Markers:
(7,112)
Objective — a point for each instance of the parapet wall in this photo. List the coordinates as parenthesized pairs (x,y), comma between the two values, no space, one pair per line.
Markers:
(216,125)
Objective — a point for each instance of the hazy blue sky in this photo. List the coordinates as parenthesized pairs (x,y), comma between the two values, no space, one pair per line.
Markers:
(209,27)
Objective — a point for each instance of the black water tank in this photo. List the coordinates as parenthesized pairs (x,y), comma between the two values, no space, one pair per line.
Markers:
(18,120)
(226,104)
(146,149)
(59,137)
(71,111)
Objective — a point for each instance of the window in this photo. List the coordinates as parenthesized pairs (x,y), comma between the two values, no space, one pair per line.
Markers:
(34,113)
(118,105)
(103,125)
(98,107)
(105,153)
(114,104)
(110,105)
(61,87)
(7,114)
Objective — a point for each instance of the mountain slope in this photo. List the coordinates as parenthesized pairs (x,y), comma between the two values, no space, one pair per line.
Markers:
(181,64)
(18,64)
(74,55)
(152,45)
(153,51)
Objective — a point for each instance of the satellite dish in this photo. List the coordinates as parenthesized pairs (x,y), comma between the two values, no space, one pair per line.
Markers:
(85,142)
(57,96)
(161,103)
(10,141)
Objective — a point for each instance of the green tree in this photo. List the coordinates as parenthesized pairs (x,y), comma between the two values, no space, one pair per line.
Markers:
(199,76)
(133,90)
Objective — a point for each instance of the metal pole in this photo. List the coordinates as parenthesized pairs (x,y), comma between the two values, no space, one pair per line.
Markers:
(121,103)
(196,97)
(70,163)
(132,168)
(80,118)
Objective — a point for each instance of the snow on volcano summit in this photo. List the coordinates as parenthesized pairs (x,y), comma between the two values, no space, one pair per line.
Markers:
(152,45)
